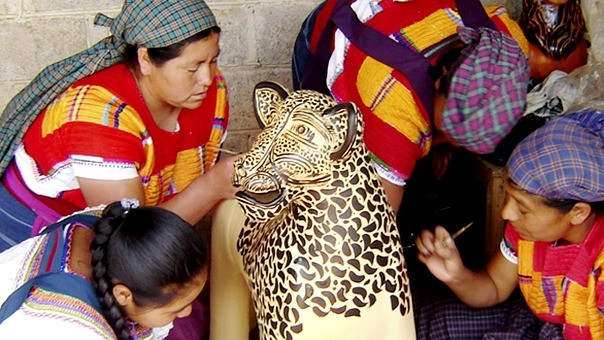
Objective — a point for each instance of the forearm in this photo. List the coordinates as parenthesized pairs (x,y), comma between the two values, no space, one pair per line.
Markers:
(201,195)
(475,288)
(193,203)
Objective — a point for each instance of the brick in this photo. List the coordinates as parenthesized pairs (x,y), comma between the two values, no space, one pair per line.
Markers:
(27,47)
(237,39)
(8,7)
(241,83)
(276,31)
(49,6)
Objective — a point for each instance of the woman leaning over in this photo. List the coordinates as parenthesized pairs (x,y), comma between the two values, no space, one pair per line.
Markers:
(115,272)
(141,114)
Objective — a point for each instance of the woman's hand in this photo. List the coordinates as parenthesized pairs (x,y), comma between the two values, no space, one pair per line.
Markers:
(222,175)
(197,199)
(478,289)
(438,252)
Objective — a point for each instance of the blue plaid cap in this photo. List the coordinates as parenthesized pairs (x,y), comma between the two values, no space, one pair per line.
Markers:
(564,159)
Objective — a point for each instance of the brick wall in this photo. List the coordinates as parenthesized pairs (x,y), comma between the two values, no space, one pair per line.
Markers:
(256,44)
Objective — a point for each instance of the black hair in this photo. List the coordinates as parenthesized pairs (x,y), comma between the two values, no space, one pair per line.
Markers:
(161,55)
(565,206)
(443,68)
(562,205)
(150,250)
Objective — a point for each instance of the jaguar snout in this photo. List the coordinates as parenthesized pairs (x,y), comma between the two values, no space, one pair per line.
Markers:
(238,175)
(261,188)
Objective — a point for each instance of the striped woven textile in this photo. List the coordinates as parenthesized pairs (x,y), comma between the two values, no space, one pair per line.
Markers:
(563,284)
(57,148)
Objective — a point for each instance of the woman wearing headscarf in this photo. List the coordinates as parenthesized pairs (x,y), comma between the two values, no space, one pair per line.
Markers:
(553,248)
(388,57)
(141,114)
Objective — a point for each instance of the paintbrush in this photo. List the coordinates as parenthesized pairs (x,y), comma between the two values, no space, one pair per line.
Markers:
(457,233)
(227,151)
(450,238)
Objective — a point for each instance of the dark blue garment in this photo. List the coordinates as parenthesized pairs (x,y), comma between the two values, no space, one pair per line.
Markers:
(301,54)
(16,220)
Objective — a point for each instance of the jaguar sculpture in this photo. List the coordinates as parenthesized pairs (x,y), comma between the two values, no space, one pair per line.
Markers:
(317,245)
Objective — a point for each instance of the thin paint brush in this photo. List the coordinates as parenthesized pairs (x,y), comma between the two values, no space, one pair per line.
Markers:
(450,238)
(457,233)
(227,151)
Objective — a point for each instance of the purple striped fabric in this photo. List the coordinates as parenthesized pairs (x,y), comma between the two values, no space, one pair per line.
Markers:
(440,315)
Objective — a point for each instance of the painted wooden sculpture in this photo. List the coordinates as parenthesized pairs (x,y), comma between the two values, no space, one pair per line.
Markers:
(311,232)
(555,30)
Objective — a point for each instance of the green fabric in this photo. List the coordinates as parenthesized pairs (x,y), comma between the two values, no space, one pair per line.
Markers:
(143,23)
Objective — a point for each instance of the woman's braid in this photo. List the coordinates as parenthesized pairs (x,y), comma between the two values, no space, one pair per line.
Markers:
(113,217)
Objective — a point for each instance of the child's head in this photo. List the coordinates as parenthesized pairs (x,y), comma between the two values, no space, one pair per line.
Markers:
(148,265)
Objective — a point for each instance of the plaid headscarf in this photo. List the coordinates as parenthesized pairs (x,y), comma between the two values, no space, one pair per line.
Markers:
(142,23)
(564,159)
(487,91)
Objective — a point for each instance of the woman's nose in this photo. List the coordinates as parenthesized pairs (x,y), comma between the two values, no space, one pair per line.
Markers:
(507,213)
(205,76)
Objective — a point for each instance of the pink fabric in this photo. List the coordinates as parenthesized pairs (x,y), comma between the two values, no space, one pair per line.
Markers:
(44,214)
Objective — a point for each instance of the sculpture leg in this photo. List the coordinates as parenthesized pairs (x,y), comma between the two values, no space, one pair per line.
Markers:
(231,312)
(377,322)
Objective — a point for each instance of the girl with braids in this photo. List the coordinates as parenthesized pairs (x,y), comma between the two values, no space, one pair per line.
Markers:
(119,273)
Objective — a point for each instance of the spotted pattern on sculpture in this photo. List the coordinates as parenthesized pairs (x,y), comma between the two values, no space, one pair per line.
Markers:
(319,233)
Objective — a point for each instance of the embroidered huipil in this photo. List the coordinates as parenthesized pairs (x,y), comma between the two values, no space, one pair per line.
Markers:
(46,313)
(563,284)
(398,128)
(101,128)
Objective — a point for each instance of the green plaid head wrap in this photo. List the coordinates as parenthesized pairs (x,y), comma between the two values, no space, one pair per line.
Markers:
(142,23)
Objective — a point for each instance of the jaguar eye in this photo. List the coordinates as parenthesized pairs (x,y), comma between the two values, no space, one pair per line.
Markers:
(304,131)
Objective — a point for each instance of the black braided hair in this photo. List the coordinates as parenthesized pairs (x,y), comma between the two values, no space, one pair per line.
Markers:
(151,251)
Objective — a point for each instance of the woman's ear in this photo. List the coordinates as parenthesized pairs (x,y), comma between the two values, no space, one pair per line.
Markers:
(122,295)
(579,213)
(144,61)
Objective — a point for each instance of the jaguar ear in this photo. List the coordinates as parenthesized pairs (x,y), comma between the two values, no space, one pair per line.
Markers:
(267,97)
(342,121)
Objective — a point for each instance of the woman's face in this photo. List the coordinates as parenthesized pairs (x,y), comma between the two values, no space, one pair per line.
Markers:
(180,307)
(532,218)
(440,103)
(183,82)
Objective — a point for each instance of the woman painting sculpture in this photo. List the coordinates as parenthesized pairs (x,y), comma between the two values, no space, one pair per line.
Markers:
(140,114)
